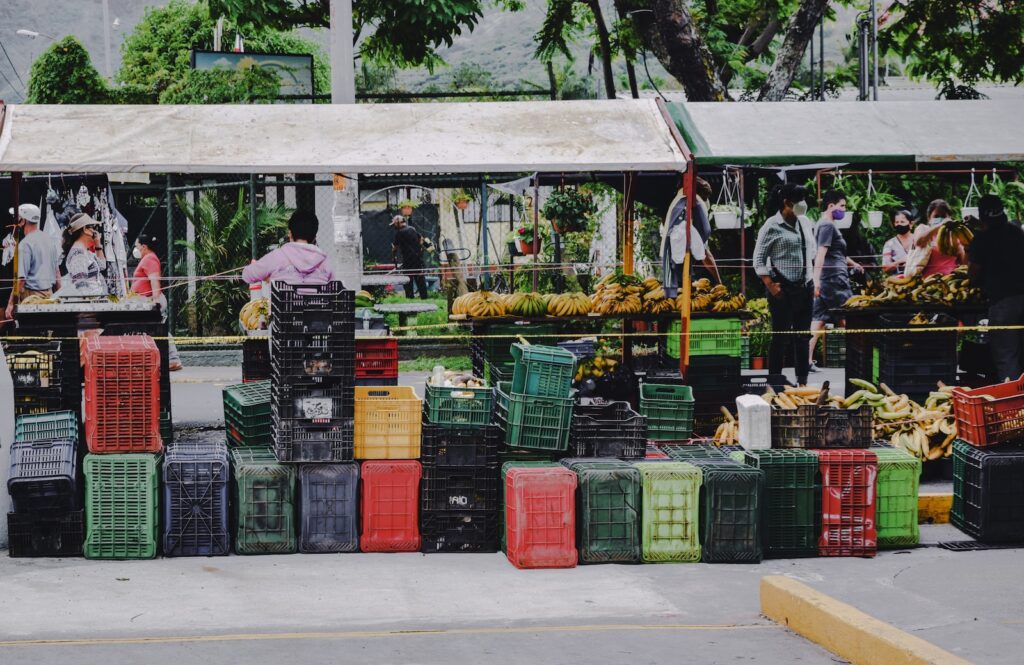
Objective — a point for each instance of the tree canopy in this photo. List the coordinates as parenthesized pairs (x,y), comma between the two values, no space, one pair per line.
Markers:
(64,74)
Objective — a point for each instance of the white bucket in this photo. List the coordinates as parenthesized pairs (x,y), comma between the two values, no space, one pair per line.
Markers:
(846,222)
(875,218)
(969,211)
(726,219)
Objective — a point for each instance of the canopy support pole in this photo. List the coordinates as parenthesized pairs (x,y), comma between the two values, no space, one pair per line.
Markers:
(628,267)
(170,256)
(687,282)
(486,273)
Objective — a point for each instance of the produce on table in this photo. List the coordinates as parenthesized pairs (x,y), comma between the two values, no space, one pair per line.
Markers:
(255,314)
(654,299)
(728,433)
(454,379)
(705,298)
(926,432)
(36,299)
(618,294)
(479,304)
(952,235)
(364,299)
(952,289)
(525,304)
(594,368)
(569,304)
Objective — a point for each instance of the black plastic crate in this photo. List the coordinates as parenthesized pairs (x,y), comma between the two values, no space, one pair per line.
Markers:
(468,447)
(459,489)
(255,359)
(607,429)
(313,357)
(43,476)
(312,307)
(459,532)
(312,403)
(730,511)
(988,491)
(299,441)
(377,381)
(35,364)
(50,535)
(328,508)
(195,500)
(810,426)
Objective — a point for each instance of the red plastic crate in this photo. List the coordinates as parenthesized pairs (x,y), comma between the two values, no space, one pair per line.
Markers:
(654,452)
(990,415)
(376,357)
(540,517)
(122,394)
(847,502)
(389,504)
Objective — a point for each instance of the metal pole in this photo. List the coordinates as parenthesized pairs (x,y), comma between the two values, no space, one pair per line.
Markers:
(252,213)
(106,40)
(821,58)
(536,218)
(343,72)
(874,50)
(811,67)
(483,234)
(170,256)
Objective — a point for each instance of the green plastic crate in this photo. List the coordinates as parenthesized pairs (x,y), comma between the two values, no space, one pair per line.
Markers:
(264,500)
(496,339)
(896,498)
(708,337)
(43,426)
(730,511)
(504,493)
(499,373)
(688,451)
(671,502)
(544,371)
(247,416)
(607,511)
(528,421)
(669,411)
(458,407)
(791,501)
(121,506)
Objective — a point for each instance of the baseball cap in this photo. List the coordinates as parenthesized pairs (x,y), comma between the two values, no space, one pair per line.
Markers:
(28,212)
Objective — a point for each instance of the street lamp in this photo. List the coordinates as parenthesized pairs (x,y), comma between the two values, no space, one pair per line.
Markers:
(32,34)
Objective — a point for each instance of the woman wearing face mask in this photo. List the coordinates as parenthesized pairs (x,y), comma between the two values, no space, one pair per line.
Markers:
(831,268)
(83,255)
(894,253)
(938,263)
(146,283)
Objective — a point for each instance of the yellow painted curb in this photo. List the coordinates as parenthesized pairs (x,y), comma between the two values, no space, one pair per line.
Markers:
(934,508)
(844,630)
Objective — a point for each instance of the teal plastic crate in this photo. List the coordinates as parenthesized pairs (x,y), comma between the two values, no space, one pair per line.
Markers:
(542,371)
(671,503)
(708,337)
(247,416)
(668,409)
(43,426)
(264,502)
(121,506)
(450,407)
(528,421)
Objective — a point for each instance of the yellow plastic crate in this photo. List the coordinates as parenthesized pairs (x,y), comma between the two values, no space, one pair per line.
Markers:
(388,422)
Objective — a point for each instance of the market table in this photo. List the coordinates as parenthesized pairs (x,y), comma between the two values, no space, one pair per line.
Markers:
(404,309)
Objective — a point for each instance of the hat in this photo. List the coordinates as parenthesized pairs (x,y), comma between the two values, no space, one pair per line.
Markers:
(990,207)
(80,221)
(28,212)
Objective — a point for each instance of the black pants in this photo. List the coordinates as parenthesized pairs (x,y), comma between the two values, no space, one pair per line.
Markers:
(1007,346)
(790,311)
(417,278)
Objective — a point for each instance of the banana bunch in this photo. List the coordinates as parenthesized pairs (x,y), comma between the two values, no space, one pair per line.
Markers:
(525,304)
(925,431)
(594,368)
(364,299)
(951,235)
(35,299)
(791,397)
(951,289)
(728,433)
(618,294)
(255,314)
(569,304)
(479,304)
(705,298)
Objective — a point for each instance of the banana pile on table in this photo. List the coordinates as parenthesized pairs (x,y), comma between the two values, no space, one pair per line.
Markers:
(479,304)
(728,433)
(618,294)
(255,314)
(705,298)
(568,304)
(948,290)
(925,431)
(36,299)
(654,299)
(525,304)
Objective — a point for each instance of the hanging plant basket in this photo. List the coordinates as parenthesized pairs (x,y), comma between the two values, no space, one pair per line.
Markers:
(875,218)
(462,205)
(569,209)
(524,247)
(846,222)
(725,217)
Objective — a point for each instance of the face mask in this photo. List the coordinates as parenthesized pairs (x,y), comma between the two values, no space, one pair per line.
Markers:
(838,214)
(137,253)
(902,228)
(800,208)
(936,221)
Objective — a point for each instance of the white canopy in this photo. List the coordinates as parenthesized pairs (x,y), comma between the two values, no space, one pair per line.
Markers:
(509,137)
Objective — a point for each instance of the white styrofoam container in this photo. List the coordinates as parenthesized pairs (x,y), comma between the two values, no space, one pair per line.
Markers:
(755,418)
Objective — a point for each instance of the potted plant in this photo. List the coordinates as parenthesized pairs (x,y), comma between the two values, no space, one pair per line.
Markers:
(726,215)
(525,238)
(759,330)
(461,199)
(406,206)
(569,209)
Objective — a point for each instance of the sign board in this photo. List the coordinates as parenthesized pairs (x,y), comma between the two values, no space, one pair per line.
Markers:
(294,69)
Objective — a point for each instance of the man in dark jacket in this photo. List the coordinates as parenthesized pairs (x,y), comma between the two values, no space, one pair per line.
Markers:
(409,243)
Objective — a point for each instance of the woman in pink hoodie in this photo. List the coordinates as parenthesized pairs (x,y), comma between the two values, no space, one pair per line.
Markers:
(299,261)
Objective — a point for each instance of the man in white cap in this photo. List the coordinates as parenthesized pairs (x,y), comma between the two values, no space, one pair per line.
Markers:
(38,259)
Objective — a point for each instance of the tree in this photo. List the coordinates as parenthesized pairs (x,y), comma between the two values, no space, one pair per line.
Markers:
(63,74)
(789,56)
(251,85)
(564,22)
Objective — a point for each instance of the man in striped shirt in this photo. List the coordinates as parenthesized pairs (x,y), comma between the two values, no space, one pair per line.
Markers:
(783,257)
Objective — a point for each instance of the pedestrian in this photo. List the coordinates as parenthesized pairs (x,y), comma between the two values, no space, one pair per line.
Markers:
(299,261)
(409,243)
(925,236)
(783,259)
(831,269)
(38,259)
(146,283)
(83,256)
(673,243)
(894,253)
(996,267)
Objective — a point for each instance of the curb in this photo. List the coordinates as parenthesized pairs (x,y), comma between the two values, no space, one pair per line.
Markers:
(843,629)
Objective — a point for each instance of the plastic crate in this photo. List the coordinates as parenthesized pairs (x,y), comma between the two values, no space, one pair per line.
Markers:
(459,532)
(43,426)
(730,511)
(708,337)
(458,407)
(52,535)
(247,414)
(810,426)
(459,489)
(121,506)
(43,375)
(835,348)
(607,429)
(328,508)
(325,403)
(581,348)
(42,476)
(500,373)
(313,357)
(493,341)
(848,483)
(912,362)
(542,371)
(376,357)
(896,491)
(388,423)
(684,452)
(373,383)
(122,394)
(671,499)
(255,359)
(990,415)
(315,308)
(389,501)
(791,497)
(668,409)
(607,511)
(540,517)
(654,452)
(988,492)
(263,502)
(195,500)
(446,447)
(715,378)
(505,466)
(528,421)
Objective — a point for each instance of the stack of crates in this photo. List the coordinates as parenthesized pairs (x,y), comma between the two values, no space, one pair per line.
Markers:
(43,377)
(376,361)
(540,517)
(607,510)
(534,410)
(247,417)
(714,369)
(43,484)
(122,430)
(913,362)
(196,476)
(256,359)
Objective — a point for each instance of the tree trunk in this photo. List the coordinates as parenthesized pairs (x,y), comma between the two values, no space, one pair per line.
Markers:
(669,32)
(798,35)
(606,47)
(552,80)
(634,89)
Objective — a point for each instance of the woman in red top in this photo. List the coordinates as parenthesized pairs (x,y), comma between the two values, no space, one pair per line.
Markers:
(146,282)
(939,213)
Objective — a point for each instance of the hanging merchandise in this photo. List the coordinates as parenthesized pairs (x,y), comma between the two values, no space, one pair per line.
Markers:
(968,210)
(874,216)
(83,199)
(52,226)
(8,244)
(725,212)
(113,247)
